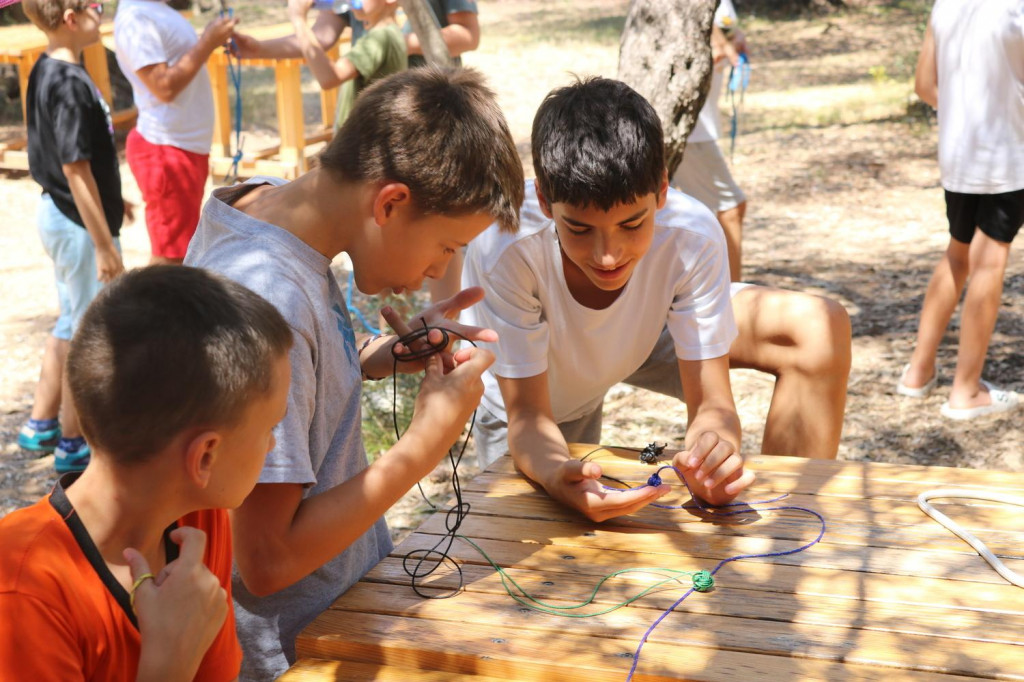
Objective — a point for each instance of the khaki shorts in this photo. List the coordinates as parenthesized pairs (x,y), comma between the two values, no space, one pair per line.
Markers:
(705,176)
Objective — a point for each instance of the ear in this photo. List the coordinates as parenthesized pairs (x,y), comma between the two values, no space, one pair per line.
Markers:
(545,207)
(390,199)
(70,19)
(200,455)
(663,190)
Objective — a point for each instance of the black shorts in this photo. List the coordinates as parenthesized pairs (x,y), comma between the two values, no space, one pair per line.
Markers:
(1000,216)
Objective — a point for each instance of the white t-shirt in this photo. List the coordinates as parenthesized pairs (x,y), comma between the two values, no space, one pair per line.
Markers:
(979,52)
(709,121)
(682,281)
(149,32)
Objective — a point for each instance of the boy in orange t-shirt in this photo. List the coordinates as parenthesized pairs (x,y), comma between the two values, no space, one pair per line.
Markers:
(124,571)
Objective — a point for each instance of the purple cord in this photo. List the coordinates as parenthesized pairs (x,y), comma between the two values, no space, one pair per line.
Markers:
(655,480)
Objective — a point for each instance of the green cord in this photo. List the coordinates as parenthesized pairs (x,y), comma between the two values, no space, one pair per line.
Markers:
(702,582)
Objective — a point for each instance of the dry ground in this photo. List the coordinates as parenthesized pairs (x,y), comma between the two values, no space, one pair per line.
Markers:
(844,200)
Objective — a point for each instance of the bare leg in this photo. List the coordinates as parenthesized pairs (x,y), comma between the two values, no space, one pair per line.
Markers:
(940,301)
(732,224)
(48,391)
(988,259)
(451,283)
(804,340)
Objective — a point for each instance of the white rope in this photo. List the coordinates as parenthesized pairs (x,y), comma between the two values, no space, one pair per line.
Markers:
(966,536)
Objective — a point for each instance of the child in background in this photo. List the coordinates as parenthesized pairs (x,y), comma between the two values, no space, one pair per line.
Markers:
(169,148)
(379,53)
(71,154)
(423,164)
(123,572)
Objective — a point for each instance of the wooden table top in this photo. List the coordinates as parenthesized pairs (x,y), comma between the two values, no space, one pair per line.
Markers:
(887,594)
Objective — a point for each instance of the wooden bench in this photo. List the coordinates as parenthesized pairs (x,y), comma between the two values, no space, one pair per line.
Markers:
(887,595)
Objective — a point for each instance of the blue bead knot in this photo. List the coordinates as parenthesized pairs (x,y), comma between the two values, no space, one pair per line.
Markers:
(703,581)
(654,480)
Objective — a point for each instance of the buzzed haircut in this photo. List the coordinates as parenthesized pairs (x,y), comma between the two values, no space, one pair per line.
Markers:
(599,143)
(166,348)
(48,15)
(440,132)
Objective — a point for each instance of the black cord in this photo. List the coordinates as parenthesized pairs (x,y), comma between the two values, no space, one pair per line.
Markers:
(429,560)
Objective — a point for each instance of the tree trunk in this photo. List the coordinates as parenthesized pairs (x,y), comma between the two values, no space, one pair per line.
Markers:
(422,21)
(665,55)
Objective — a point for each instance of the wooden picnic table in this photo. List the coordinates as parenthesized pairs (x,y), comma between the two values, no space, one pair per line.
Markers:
(888,594)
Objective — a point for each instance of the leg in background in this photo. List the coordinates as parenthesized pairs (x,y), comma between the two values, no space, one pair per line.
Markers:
(988,259)
(732,224)
(940,300)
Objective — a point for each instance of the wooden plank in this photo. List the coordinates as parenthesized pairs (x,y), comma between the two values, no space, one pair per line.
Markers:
(779,636)
(605,552)
(789,581)
(859,522)
(730,598)
(521,654)
(312,670)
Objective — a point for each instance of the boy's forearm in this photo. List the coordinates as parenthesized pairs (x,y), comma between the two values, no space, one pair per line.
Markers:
(272,555)
(167,81)
(457,38)
(327,74)
(537,446)
(86,195)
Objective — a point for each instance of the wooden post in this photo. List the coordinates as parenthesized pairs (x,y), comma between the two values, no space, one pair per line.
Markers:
(222,122)
(425,28)
(289,113)
(94,58)
(329,98)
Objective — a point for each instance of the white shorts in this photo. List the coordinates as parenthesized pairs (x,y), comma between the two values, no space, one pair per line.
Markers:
(704,175)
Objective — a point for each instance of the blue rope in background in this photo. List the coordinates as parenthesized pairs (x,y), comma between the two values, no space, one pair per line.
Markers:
(235,73)
(739,79)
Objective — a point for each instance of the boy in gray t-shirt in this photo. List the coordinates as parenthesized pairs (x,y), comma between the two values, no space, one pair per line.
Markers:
(399,191)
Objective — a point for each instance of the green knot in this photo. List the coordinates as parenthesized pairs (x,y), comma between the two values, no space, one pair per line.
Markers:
(703,581)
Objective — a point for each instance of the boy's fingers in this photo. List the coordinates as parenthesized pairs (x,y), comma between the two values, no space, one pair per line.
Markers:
(451,307)
(137,563)
(479,359)
(192,542)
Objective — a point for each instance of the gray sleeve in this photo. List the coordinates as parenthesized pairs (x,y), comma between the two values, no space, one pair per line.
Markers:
(289,461)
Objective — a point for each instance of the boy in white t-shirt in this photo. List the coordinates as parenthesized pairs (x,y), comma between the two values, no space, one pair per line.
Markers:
(169,148)
(971,68)
(614,277)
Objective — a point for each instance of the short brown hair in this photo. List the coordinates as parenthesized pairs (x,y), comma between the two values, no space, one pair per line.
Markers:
(48,15)
(439,131)
(166,348)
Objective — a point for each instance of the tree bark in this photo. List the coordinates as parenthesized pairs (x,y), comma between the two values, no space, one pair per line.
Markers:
(665,55)
(423,25)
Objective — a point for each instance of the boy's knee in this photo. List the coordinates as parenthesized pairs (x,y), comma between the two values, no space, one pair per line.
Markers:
(824,336)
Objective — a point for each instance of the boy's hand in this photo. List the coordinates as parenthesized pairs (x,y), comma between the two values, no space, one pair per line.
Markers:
(446,401)
(577,485)
(180,611)
(714,469)
(129,210)
(108,263)
(218,32)
(443,314)
(298,9)
(244,46)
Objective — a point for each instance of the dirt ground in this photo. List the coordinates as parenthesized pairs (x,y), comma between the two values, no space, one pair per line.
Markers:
(840,168)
